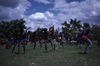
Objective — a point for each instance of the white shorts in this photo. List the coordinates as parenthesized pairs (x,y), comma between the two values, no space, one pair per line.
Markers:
(54,41)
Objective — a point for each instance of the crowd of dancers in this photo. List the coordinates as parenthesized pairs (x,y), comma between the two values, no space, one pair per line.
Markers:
(43,37)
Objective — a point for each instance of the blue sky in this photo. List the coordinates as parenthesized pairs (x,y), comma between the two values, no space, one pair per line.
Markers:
(45,13)
(38,7)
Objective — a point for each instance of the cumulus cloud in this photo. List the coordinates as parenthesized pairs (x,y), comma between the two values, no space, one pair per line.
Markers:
(38,16)
(62,10)
(88,10)
(49,15)
(85,10)
(9,12)
(59,4)
(43,1)
(40,19)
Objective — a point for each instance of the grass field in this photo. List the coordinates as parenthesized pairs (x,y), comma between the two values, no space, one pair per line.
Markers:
(69,56)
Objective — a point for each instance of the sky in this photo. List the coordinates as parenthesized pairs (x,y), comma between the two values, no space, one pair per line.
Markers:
(46,13)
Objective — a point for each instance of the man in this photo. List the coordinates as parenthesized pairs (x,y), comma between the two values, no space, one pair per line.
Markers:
(79,40)
(45,37)
(85,37)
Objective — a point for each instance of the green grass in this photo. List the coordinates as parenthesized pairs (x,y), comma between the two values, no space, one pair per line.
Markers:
(69,56)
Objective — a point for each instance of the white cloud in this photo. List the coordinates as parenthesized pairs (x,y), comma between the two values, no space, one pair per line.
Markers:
(88,10)
(85,10)
(60,4)
(40,19)
(38,16)
(43,1)
(49,15)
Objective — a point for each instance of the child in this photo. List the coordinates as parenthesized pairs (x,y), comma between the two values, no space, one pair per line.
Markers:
(63,40)
(54,43)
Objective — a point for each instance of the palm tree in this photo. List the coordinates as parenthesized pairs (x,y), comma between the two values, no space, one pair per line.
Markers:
(75,23)
(65,28)
(70,29)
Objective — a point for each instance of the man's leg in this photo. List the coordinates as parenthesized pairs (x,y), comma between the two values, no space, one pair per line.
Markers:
(14,47)
(88,46)
(34,44)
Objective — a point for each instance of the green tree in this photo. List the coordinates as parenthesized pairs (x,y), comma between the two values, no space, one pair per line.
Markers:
(66,28)
(11,28)
(96,29)
(70,29)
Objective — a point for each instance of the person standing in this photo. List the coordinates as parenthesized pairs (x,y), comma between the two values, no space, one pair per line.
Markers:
(45,37)
(79,40)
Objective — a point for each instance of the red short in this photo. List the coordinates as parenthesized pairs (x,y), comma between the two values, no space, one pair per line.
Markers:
(84,38)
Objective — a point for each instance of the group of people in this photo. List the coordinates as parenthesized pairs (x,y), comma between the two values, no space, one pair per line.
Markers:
(44,36)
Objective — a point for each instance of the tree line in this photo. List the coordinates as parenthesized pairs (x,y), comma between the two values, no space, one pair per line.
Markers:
(12,28)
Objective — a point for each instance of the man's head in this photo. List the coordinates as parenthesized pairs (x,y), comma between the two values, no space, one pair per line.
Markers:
(86,25)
